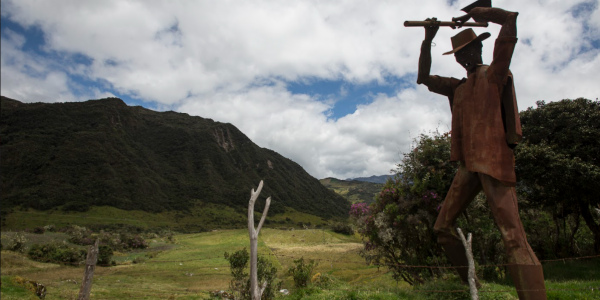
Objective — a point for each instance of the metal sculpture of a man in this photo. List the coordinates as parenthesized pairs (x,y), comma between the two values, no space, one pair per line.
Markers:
(485,129)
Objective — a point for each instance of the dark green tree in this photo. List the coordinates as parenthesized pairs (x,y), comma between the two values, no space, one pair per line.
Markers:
(558,162)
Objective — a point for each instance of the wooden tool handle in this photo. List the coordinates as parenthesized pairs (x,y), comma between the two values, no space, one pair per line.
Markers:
(443,23)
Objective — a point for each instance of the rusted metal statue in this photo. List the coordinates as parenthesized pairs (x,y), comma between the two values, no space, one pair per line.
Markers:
(485,129)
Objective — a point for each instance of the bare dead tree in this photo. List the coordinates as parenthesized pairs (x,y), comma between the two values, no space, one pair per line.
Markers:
(469,252)
(254,289)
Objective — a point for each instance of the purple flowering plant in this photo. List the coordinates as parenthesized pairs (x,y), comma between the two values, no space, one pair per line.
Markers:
(397,229)
(358,210)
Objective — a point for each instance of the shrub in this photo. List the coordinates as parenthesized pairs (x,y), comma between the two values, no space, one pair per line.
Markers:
(238,262)
(80,235)
(323,280)
(129,241)
(152,254)
(139,260)
(56,253)
(397,229)
(267,273)
(112,240)
(301,272)
(240,284)
(342,228)
(39,230)
(16,242)
(105,254)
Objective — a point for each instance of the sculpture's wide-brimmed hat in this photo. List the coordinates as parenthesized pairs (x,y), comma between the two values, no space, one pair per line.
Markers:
(464,38)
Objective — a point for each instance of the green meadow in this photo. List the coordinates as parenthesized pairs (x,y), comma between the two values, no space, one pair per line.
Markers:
(201,217)
(194,265)
(354,191)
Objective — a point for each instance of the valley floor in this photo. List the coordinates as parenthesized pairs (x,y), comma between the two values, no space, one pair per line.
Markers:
(194,266)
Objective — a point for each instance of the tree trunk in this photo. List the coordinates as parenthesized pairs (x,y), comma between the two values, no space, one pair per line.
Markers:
(584,208)
(469,253)
(90,266)
(255,292)
(574,230)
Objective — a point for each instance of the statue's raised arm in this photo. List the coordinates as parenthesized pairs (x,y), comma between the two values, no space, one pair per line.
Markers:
(506,41)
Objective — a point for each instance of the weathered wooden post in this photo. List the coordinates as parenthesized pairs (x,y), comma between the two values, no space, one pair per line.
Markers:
(90,265)
(255,292)
(469,252)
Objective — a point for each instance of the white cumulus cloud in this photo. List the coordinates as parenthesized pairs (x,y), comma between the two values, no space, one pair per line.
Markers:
(231,61)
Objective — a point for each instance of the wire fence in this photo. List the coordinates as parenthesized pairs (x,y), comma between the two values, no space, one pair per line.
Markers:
(133,288)
(222,270)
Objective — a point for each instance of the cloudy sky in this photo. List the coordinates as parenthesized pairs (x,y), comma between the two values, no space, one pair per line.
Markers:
(328,84)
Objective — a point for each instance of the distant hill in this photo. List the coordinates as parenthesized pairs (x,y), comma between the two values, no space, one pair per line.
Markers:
(353,190)
(374,178)
(104,153)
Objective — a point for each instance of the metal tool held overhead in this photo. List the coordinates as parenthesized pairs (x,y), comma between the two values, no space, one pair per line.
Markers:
(467,9)
(443,23)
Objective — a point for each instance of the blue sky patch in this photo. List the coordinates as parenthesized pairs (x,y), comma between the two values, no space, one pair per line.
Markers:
(34,35)
(346,96)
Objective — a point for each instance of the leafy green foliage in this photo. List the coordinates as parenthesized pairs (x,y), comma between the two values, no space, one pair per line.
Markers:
(238,263)
(240,284)
(56,253)
(105,254)
(558,162)
(268,273)
(16,242)
(398,228)
(343,228)
(78,155)
(301,272)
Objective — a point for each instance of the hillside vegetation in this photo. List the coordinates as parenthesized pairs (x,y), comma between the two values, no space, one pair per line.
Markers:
(374,179)
(74,156)
(353,190)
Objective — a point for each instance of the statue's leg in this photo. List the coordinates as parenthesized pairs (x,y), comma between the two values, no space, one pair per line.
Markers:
(463,190)
(524,268)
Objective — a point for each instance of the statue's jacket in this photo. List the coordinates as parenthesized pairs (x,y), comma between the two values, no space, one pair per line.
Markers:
(485,118)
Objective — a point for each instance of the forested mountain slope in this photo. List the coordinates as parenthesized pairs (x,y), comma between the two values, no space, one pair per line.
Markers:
(103,152)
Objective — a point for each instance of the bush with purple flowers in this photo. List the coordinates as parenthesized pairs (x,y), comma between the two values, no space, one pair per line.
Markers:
(397,229)
(358,210)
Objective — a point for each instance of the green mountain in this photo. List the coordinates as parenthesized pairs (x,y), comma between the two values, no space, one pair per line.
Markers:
(105,153)
(374,179)
(353,190)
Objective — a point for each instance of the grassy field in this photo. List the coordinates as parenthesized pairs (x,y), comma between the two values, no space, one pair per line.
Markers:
(203,217)
(194,265)
(354,191)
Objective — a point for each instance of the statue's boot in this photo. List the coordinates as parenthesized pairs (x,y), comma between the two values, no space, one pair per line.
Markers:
(529,281)
(456,255)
